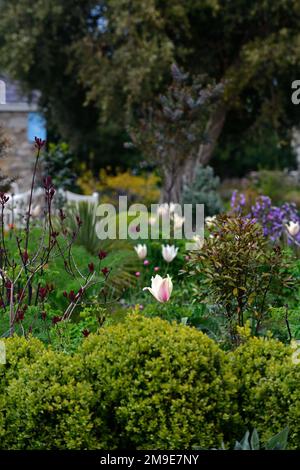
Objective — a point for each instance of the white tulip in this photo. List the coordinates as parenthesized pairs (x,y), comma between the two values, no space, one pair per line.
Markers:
(161,288)
(169,252)
(152,220)
(172,207)
(163,209)
(210,220)
(178,221)
(293,228)
(141,251)
(199,241)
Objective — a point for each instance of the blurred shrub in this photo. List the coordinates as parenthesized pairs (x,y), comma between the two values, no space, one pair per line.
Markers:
(204,191)
(268,383)
(275,184)
(141,188)
(58,163)
(159,386)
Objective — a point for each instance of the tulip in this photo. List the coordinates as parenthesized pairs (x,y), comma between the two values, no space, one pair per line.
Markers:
(163,209)
(141,251)
(161,288)
(210,220)
(152,220)
(198,241)
(293,228)
(146,262)
(178,221)
(156,269)
(169,252)
(137,274)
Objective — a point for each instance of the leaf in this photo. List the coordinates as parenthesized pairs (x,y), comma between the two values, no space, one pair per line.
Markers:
(235,291)
(254,440)
(279,441)
(245,442)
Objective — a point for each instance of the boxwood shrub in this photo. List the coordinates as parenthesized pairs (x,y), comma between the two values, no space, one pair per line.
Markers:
(160,385)
(146,384)
(268,388)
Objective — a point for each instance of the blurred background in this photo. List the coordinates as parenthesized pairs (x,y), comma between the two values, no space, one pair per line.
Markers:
(182,101)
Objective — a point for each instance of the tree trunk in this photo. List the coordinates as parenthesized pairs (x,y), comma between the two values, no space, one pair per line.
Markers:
(175,178)
(172,187)
(213,130)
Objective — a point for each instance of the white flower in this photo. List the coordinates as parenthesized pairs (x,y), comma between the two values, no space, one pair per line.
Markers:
(163,209)
(172,207)
(210,221)
(141,251)
(296,351)
(293,228)
(199,241)
(178,221)
(169,252)
(161,288)
(152,220)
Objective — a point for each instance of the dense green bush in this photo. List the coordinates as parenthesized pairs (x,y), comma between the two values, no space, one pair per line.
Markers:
(147,384)
(160,385)
(48,405)
(268,383)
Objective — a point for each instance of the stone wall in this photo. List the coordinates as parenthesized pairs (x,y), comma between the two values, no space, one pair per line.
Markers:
(18,164)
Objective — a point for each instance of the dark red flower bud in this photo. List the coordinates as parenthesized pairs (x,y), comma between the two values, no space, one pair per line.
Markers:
(56,320)
(44,315)
(72,296)
(3,199)
(20,315)
(65,293)
(47,182)
(39,143)
(105,271)
(25,257)
(43,291)
(102,254)
(62,215)
(91,267)
(85,332)
(78,220)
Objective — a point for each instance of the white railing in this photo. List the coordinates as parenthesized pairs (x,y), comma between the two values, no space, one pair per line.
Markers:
(17,205)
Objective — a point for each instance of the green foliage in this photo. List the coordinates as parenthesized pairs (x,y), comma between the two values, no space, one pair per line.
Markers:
(251,442)
(275,184)
(161,386)
(97,61)
(237,271)
(204,191)
(58,163)
(55,399)
(148,384)
(172,129)
(268,383)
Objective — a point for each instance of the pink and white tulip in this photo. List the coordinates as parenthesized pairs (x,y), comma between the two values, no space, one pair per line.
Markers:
(169,252)
(141,250)
(161,288)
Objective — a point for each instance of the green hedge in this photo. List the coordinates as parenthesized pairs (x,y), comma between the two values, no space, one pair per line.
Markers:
(146,384)
(268,388)
(163,385)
